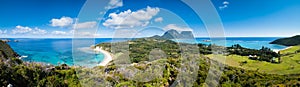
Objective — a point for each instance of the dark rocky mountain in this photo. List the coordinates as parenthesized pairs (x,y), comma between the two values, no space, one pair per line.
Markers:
(173,34)
(290,41)
(6,51)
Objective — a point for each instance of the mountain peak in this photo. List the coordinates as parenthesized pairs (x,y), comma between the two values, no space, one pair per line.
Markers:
(174,34)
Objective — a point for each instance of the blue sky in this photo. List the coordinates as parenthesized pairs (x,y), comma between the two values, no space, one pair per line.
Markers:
(57,18)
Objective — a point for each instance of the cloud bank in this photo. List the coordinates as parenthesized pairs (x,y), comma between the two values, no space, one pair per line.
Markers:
(62,22)
(27,30)
(130,19)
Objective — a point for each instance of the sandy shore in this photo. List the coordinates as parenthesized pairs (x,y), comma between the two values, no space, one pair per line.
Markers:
(282,49)
(107,56)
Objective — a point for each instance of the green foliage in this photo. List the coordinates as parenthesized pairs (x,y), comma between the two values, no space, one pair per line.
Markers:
(6,51)
(18,73)
(28,75)
(141,47)
(264,54)
(291,41)
(125,84)
(231,77)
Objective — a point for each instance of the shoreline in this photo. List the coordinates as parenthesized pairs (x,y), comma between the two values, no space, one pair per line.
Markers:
(107,56)
(287,48)
(277,50)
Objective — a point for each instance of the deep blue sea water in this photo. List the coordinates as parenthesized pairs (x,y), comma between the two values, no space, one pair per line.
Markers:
(57,51)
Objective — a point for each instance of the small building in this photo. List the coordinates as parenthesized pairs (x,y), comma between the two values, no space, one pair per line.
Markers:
(273,60)
(253,57)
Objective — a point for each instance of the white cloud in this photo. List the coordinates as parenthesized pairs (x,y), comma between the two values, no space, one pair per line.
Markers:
(62,22)
(224,5)
(160,19)
(59,33)
(177,28)
(72,31)
(39,31)
(21,30)
(91,24)
(3,31)
(129,19)
(27,30)
(114,4)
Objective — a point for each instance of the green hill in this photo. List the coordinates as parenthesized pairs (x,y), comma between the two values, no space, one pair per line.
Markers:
(291,41)
(6,51)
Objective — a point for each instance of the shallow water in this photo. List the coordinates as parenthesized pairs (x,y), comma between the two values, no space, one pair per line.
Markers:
(57,51)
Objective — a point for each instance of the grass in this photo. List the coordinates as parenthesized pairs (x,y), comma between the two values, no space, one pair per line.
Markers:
(290,63)
(291,49)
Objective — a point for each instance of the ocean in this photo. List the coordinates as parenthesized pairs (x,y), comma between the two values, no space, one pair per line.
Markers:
(57,51)
(249,42)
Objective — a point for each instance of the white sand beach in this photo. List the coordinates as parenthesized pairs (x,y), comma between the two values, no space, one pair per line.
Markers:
(107,56)
(277,50)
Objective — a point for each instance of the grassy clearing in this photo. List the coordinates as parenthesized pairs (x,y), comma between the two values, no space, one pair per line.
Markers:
(290,63)
(291,49)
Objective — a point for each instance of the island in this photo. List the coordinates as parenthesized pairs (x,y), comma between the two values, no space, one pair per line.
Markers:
(240,69)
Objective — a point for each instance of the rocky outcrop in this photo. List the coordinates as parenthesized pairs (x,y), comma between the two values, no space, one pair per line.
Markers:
(6,51)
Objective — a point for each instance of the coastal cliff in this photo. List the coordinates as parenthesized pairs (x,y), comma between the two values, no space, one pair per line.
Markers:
(6,51)
(290,41)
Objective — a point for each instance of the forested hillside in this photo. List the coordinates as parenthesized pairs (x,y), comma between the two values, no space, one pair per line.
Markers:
(290,41)
(6,51)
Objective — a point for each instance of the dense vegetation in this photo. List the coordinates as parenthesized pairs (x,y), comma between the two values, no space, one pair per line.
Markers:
(264,54)
(288,65)
(169,56)
(6,51)
(23,74)
(291,41)
(231,77)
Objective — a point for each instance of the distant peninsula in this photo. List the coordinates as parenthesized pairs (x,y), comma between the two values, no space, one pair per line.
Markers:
(290,41)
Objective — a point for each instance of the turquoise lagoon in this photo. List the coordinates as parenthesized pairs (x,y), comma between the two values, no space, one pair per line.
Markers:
(58,51)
